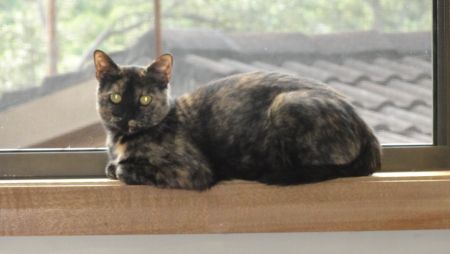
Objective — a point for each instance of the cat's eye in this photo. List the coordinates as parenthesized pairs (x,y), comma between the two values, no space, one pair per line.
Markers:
(115,98)
(145,100)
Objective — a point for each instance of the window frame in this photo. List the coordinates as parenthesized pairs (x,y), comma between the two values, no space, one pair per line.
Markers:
(81,163)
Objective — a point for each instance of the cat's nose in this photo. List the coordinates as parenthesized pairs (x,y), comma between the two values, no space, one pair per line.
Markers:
(133,125)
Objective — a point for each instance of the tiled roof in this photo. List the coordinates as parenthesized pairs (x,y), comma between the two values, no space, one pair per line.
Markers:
(388,77)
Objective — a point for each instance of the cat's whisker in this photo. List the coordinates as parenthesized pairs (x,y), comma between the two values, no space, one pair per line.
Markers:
(116,119)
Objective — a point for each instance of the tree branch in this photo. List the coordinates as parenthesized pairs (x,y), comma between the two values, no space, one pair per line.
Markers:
(108,32)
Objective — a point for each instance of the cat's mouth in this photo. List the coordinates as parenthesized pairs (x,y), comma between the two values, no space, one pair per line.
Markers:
(127,127)
(134,126)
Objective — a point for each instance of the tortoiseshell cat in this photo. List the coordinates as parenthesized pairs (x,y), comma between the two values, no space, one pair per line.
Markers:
(268,127)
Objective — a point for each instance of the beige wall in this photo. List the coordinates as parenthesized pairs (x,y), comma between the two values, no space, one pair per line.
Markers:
(49,117)
(410,242)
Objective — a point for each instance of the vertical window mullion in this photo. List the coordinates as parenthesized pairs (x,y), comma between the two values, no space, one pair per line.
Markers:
(441,72)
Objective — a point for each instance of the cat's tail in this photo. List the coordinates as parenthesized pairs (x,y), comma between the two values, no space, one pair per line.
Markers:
(368,161)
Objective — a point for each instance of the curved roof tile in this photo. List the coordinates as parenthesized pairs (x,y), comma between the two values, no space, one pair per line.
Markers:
(424,124)
(426,111)
(309,71)
(387,137)
(407,72)
(270,67)
(421,92)
(342,73)
(418,137)
(425,82)
(418,63)
(380,119)
(398,97)
(376,73)
(361,97)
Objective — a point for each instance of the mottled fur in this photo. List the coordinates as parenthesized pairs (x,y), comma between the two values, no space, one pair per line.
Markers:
(269,127)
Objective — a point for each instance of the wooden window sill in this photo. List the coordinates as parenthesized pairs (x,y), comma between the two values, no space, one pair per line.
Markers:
(385,201)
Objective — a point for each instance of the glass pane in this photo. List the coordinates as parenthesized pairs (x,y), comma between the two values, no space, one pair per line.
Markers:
(377,52)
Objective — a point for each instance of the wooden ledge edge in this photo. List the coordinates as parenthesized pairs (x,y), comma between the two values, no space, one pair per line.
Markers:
(385,201)
(443,175)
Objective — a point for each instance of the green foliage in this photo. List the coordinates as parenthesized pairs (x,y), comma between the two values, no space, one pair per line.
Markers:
(306,16)
(407,15)
(80,22)
(23,45)
(21,51)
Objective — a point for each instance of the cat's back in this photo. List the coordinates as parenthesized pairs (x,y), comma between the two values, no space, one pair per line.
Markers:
(249,83)
(245,98)
(253,89)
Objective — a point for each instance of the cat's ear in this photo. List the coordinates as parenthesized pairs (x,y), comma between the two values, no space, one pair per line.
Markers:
(161,68)
(104,65)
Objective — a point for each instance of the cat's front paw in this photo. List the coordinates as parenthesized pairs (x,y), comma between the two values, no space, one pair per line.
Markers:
(132,174)
(110,171)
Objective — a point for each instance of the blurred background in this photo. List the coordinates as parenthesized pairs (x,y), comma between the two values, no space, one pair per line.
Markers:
(377,52)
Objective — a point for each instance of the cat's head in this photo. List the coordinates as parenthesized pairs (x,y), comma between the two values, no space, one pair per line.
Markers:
(130,98)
